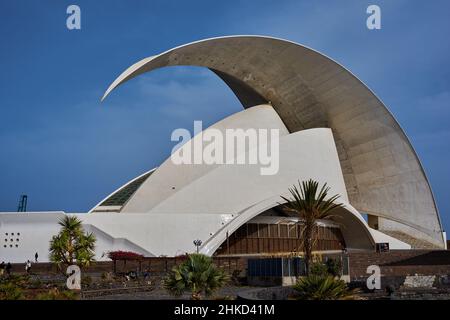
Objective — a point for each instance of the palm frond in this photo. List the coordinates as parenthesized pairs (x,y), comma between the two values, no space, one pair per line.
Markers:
(196,274)
(310,203)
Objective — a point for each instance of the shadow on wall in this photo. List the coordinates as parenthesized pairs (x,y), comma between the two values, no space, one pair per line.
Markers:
(436,258)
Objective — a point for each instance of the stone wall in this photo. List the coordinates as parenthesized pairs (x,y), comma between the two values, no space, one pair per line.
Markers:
(398,266)
(156,265)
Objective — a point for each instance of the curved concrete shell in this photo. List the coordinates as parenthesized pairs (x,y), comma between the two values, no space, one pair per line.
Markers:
(328,127)
(382,173)
(166,189)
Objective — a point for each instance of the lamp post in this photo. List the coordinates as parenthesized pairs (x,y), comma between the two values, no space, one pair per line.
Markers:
(197,243)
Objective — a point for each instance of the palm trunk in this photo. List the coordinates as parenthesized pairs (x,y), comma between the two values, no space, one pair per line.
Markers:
(308,243)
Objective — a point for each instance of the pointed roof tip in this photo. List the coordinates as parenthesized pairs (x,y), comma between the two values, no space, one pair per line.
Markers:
(108,91)
(117,82)
(126,75)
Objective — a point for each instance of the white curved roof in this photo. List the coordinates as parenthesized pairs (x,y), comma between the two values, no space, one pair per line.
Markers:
(382,173)
(115,201)
(171,179)
(220,200)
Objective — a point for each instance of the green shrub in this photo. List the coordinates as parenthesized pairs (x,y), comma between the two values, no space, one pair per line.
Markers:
(55,294)
(35,283)
(318,269)
(316,287)
(197,274)
(334,267)
(10,291)
(18,280)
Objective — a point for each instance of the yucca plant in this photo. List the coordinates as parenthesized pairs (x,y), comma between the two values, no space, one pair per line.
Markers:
(310,204)
(197,275)
(72,245)
(320,287)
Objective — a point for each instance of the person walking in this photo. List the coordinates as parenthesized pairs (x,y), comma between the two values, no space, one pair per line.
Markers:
(28,267)
(2,268)
(8,268)
(36,256)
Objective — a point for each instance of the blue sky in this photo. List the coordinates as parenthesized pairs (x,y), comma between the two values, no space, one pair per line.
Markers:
(66,150)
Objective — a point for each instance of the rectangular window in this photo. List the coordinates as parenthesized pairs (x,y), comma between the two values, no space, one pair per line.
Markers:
(263,230)
(284,231)
(274,231)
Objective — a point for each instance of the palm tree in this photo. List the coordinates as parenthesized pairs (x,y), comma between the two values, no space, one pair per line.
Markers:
(323,287)
(72,245)
(310,204)
(196,274)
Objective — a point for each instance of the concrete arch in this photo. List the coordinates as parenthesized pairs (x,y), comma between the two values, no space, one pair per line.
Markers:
(382,172)
(355,230)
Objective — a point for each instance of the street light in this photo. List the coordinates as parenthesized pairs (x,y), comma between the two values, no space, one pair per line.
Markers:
(197,243)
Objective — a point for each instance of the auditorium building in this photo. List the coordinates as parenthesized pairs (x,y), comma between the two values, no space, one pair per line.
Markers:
(332,128)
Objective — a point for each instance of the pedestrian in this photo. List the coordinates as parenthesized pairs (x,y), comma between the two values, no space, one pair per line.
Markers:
(2,268)
(28,266)
(36,256)
(146,274)
(8,268)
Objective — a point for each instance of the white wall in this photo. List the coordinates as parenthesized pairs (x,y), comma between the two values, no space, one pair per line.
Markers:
(36,230)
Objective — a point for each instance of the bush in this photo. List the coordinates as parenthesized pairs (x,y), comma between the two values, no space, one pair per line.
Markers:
(318,269)
(331,267)
(18,280)
(55,294)
(334,267)
(124,255)
(196,274)
(35,283)
(10,291)
(316,287)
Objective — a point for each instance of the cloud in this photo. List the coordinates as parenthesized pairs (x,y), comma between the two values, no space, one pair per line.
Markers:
(192,93)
